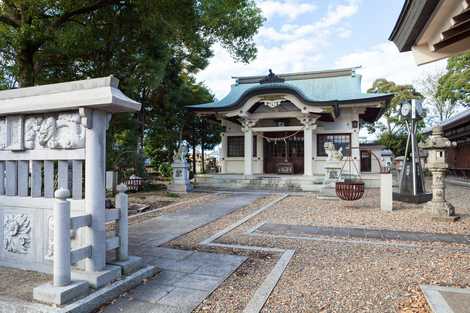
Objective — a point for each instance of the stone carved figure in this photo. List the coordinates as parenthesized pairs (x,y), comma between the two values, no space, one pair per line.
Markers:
(17,233)
(32,126)
(180,155)
(332,153)
(70,134)
(65,132)
(46,134)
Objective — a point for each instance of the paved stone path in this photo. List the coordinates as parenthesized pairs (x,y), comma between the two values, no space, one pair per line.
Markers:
(447,299)
(185,280)
(167,227)
(186,277)
(365,233)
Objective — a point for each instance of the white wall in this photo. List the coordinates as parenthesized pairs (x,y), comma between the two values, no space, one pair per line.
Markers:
(341,125)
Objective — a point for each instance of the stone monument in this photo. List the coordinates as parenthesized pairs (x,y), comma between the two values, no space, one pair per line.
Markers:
(437,145)
(180,179)
(332,172)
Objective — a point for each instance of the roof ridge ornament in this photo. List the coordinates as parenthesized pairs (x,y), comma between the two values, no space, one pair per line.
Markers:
(271,78)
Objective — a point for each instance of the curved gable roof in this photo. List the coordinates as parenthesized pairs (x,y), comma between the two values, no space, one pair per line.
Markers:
(310,89)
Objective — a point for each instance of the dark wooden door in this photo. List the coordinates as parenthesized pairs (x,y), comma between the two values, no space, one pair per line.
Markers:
(279,151)
(366,161)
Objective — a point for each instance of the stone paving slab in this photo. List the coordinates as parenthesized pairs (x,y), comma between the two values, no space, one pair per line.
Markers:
(164,228)
(185,280)
(365,233)
(447,299)
(186,277)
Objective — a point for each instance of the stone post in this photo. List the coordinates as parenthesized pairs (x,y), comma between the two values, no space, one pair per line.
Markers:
(122,205)
(62,247)
(386,192)
(95,148)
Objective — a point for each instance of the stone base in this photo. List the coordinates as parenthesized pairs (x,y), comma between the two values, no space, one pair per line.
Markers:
(100,278)
(445,218)
(180,187)
(50,294)
(131,265)
(327,193)
(442,211)
(419,198)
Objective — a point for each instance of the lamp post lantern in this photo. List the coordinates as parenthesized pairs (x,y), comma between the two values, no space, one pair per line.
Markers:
(437,145)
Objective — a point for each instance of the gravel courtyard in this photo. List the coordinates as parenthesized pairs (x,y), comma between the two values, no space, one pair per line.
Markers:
(334,273)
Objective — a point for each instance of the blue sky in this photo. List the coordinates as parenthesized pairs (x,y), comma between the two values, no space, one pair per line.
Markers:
(304,35)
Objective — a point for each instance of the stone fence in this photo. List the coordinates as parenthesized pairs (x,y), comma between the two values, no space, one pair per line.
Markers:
(53,138)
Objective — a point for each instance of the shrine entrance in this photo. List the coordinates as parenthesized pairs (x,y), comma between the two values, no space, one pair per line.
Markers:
(284,152)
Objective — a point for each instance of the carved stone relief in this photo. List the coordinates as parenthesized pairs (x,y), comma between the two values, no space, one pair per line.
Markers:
(52,131)
(17,233)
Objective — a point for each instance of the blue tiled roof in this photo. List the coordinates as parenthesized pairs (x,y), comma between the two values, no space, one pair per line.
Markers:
(321,90)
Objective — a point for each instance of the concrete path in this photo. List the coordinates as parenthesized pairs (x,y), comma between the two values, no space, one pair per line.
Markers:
(185,280)
(186,277)
(167,227)
(447,299)
(364,233)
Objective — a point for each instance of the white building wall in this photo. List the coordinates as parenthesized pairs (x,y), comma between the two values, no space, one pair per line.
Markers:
(343,124)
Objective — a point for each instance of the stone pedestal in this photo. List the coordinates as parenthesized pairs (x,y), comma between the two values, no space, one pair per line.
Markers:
(180,180)
(332,175)
(439,207)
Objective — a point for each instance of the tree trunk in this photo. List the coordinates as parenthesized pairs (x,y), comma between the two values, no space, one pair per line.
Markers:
(25,61)
(203,168)
(194,158)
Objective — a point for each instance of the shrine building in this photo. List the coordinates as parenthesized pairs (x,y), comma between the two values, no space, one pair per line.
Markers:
(278,124)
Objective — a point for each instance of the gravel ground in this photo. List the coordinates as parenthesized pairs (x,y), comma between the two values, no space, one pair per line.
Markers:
(157,198)
(19,284)
(235,293)
(342,276)
(307,210)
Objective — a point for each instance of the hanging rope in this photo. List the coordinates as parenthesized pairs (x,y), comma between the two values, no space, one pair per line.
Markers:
(275,139)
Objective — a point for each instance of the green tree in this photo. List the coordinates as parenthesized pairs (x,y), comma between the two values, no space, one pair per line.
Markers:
(454,86)
(153,47)
(391,121)
(391,126)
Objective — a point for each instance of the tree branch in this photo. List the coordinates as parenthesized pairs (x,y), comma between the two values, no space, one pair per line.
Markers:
(87,9)
(9,21)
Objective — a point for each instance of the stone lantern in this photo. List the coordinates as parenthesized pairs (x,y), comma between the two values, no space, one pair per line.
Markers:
(437,146)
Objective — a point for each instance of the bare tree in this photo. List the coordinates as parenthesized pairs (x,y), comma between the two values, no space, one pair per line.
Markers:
(437,110)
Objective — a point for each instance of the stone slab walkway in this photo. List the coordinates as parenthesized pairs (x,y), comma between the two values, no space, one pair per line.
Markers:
(364,233)
(447,299)
(167,227)
(186,277)
(185,280)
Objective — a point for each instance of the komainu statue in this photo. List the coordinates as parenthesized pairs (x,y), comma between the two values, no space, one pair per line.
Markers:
(333,154)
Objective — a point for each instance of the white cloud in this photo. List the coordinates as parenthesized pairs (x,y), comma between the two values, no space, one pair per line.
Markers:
(335,15)
(339,12)
(287,8)
(385,61)
(290,48)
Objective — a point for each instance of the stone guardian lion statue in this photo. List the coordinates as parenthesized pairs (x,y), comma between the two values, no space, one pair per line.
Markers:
(333,154)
